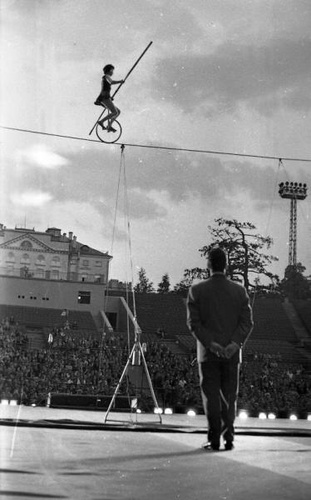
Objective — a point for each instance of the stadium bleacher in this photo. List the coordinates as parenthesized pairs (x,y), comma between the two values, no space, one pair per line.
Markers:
(167,312)
(303,309)
(37,323)
(188,342)
(32,317)
(273,378)
(156,313)
(271,322)
(273,332)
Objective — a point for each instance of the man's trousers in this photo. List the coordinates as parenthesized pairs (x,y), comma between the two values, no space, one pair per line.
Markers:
(219,382)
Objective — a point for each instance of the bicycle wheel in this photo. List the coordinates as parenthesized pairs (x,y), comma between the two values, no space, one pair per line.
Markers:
(109,137)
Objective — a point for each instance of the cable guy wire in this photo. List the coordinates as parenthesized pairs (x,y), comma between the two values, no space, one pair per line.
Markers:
(163,148)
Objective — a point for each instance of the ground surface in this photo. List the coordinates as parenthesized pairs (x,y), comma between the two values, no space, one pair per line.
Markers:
(80,463)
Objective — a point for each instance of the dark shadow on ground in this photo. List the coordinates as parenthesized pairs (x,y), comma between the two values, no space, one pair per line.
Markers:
(16,471)
(10,493)
(67,424)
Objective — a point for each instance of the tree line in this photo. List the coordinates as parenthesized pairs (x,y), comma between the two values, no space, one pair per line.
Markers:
(249,259)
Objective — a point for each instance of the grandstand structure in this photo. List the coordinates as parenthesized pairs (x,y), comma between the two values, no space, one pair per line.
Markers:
(66,285)
(162,318)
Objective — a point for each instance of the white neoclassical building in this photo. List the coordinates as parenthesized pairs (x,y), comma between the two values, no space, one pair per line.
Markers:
(50,255)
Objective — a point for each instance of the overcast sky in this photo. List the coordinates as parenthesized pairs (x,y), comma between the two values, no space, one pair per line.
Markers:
(229,75)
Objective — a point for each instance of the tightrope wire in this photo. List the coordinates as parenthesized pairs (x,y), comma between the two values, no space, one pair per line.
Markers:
(159,147)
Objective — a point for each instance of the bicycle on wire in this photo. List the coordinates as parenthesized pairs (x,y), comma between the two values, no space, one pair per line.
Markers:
(110,133)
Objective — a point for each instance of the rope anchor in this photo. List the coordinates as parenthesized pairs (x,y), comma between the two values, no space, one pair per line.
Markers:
(136,355)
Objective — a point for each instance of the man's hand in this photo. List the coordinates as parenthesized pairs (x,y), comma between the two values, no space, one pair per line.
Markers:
(230,350)
(217,349)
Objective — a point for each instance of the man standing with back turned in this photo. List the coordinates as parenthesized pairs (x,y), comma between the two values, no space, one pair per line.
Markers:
(219,316)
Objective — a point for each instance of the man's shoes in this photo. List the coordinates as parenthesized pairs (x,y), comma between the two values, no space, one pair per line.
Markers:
(214,446)
(111,129)
(229,445)
(102,125)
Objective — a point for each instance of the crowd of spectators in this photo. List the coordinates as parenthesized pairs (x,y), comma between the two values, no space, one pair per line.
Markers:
(77,364)
(69,364)
(269,384)
(175,378)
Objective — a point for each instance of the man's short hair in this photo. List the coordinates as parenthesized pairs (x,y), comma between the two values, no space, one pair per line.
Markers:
(107,68)
(218,259)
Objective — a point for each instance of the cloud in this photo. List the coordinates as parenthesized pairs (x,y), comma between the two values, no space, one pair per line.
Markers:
(263,76)
(39,155)
(142,206)
(181,175)
(31,198)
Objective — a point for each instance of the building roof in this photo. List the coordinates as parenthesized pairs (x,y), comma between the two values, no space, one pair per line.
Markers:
(87,250)
(56,235)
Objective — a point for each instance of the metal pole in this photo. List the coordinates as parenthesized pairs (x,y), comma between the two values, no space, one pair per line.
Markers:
(133,67)
(292,256)
(295,232)
(149,381)
(118,88)
(119,383)
(136,346)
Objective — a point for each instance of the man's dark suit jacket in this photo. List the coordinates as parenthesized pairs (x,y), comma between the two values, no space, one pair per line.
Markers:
(218,310)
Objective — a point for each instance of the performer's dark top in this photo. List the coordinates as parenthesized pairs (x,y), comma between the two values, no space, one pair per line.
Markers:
(106,87)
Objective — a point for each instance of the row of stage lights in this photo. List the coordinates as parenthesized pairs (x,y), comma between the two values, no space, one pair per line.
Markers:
(242,414)
(293,190)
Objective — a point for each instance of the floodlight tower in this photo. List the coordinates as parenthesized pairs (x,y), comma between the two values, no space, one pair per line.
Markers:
(293,192)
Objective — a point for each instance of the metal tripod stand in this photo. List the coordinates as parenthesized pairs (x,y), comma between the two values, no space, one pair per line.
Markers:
(136,355)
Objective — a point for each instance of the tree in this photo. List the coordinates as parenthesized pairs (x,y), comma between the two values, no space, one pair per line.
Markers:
(144,285)
(164,285)
(295,285)
(245,251)
(247,260)
(190,275)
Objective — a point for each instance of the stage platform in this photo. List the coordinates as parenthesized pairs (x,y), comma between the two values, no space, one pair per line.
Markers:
(55,453)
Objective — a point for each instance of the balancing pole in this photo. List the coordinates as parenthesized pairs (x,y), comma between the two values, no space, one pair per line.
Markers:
(118,88)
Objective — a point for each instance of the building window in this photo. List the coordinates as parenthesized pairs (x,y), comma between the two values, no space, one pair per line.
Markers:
(40,260)
(85,263)
(10,269)
(39,273)
(84,277)
(98,278)
(11,257)
(25,259)
(84,297)
(55,274)
(98,263)
(55,261)
(26,245)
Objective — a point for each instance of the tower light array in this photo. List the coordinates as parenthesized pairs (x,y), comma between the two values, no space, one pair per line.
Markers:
(293,191)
